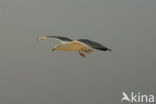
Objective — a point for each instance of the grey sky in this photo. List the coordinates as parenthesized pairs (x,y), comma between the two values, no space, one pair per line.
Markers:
(31,74)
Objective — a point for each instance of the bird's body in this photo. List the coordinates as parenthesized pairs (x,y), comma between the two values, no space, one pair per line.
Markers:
(80,45)
(71,46)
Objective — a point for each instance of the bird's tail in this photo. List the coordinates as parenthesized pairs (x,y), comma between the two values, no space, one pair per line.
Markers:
(88,51)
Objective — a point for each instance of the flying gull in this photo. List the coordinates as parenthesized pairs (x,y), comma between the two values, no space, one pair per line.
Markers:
(80,45)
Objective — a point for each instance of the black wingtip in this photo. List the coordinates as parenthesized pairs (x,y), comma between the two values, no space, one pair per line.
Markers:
(109,49)
(104,49)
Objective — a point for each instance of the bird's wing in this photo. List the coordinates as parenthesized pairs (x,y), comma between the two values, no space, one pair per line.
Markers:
(59,38)
(93,44)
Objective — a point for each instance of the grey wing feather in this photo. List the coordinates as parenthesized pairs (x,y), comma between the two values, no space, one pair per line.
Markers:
(60,38)
(94,45)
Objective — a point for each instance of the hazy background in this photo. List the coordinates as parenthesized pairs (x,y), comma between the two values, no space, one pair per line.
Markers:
(31,74)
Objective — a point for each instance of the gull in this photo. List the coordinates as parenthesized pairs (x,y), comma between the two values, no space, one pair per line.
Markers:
(80,45)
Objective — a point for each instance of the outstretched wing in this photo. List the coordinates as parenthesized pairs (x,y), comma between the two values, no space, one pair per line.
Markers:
(60,38)
(93,44)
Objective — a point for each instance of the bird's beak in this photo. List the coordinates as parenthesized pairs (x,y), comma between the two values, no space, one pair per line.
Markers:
(53,49)
(42,38)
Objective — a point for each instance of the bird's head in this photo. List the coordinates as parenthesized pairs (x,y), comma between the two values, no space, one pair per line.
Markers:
(56,47)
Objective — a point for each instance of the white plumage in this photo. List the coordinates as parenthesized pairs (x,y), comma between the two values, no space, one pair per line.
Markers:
(80,45)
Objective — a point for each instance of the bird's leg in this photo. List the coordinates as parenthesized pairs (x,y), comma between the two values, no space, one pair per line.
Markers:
(82,54)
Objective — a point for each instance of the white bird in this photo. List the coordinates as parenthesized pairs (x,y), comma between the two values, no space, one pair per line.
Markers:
(80,45)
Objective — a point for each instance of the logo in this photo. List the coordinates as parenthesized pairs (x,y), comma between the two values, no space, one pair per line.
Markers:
(137,97)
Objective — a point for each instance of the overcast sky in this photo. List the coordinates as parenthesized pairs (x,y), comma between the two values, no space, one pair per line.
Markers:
(31,74)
